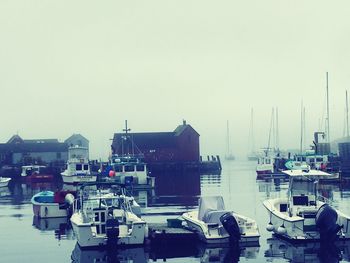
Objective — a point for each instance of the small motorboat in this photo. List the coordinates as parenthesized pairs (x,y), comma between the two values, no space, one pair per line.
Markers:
(302,215)
(216,225)
(4,181)
(48,204)
(36,173)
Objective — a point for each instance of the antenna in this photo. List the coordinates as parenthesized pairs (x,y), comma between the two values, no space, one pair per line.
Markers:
(277,134)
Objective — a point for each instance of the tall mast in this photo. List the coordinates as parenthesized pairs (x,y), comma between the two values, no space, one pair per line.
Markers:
(328,137)
(252,129)
(301,128)
(228,139)
(347,115)
(277,135)
(271,130)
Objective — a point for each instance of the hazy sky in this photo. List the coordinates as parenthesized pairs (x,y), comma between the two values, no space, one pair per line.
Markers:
(86,66)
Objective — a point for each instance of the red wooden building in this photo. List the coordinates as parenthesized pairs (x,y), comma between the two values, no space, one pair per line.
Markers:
(181,145)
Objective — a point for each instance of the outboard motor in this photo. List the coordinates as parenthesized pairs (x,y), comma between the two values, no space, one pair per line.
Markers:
(231,226)
(112,231)
(326,222)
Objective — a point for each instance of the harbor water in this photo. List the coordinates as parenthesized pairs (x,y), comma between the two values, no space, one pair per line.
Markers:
(28,239)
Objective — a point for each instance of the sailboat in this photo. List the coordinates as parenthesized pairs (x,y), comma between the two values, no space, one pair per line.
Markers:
(228,156)
(252,155)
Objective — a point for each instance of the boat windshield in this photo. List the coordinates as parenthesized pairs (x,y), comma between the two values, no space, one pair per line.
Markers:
(303,187)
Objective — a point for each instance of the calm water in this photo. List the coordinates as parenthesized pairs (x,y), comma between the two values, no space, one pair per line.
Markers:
(27,239)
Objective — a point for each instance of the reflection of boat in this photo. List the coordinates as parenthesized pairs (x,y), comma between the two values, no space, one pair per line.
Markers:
(4,181)
(36,173)
(226,253)
(308,252)
(59,225)
(78,167)
(301,215)
(108,220)
(100,255)
(216,225)
(49,204)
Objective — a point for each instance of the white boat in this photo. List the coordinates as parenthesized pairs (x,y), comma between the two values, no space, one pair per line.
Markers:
(107,220)
(302,216)
(48,204)
(216,225)
(78,167)
(265,165)
(4,181)
(129,170)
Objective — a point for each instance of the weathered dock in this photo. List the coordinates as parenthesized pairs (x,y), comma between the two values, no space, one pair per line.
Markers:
(163,234)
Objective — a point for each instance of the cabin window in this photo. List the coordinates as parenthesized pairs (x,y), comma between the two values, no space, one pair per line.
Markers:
(319,159)
(103,217)
(129,168)
(103,229)
(258,161)
(140,168)
(312,160)
(86,167)
(97,217)
(118,168)
(78,167)
(268,161)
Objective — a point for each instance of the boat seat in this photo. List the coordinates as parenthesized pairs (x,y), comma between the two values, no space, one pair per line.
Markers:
(213,217)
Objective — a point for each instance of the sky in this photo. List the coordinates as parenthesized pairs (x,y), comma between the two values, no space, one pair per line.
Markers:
(86,66)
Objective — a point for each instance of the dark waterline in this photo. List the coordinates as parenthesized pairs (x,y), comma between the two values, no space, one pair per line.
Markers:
(23,237)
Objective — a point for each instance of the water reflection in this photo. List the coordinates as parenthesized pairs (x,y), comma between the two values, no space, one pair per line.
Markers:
(180,252)
(60,226)
(308,252)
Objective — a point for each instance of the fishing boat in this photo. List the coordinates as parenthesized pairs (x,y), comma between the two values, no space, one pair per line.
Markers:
(4,181)
(303,215)
(107,220)
(128,167)
(48,204)
(36,173)
(78,167)
(216,225)
(265,165)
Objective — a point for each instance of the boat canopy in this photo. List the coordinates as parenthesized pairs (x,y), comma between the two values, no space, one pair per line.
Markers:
(209,204)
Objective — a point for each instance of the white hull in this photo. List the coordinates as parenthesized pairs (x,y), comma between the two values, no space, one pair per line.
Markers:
(218,235)
(4,181)
(298,228)
(87,236)
(49,210)
(73,179)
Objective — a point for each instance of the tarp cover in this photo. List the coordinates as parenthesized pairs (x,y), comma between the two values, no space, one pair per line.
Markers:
(208,204)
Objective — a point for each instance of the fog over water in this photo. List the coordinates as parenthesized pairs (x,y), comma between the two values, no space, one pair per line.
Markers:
(86,66)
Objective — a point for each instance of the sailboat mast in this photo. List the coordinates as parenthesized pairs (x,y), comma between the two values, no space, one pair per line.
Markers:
(228,140)
(301,128)
(347,115)
(328,137)
(277,134)
(252,129)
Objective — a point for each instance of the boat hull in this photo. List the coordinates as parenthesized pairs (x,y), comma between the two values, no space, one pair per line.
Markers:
(49,210)
(74,179)
(217,236)
(297,228)
(4,182)
(87,237)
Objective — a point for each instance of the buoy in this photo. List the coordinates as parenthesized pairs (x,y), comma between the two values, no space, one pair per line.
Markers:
(270,227)
(281,230)
(111,173)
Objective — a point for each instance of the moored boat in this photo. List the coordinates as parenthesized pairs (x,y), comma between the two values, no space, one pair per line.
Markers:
(36,173)
(107,220)
(48,204)
(78,167)
(216,225)
(302,216)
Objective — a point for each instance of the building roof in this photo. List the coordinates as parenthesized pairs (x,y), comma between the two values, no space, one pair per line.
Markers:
(41,141)
(147,140)
(76,135)
(34,147)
